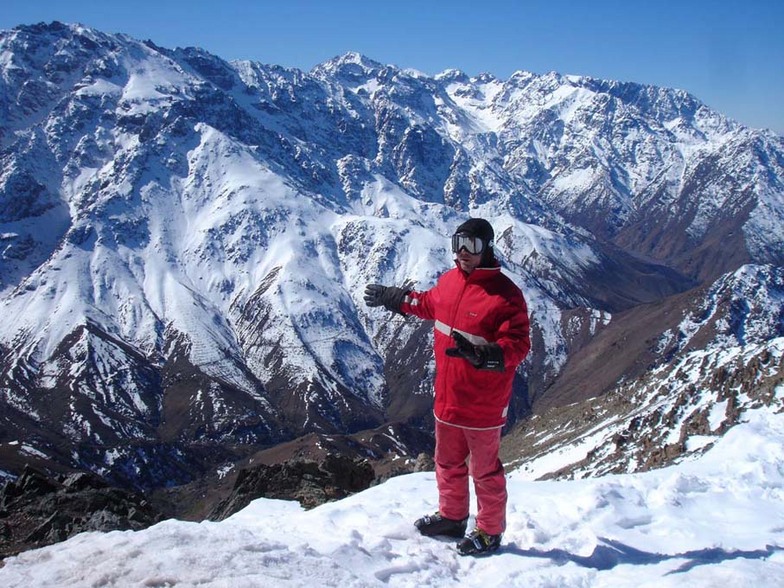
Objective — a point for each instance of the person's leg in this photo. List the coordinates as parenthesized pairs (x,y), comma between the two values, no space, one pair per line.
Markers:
(452,471)
(489,480)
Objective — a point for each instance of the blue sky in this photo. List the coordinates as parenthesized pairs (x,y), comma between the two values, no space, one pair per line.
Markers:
(728,53)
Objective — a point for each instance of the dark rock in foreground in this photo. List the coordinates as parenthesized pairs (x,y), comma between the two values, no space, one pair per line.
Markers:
(36,510)
(309,482)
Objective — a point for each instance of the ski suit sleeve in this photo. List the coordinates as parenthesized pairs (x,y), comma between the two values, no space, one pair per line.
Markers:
(421,304)
(513,333)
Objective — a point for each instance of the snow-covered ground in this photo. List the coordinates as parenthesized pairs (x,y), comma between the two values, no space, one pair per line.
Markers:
(716,521)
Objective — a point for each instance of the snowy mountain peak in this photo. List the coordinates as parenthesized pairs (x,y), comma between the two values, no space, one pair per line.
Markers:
(452,75)
(351,65)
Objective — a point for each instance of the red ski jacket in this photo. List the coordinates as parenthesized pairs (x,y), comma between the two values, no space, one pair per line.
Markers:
(485,306)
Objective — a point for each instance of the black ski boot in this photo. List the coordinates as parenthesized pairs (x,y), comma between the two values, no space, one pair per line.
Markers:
(477,542)
(436,524)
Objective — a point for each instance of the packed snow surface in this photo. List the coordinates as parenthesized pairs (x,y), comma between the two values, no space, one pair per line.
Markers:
(716,521)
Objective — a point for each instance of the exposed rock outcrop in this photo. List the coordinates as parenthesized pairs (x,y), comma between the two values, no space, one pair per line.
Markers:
(36,510)
(309,482)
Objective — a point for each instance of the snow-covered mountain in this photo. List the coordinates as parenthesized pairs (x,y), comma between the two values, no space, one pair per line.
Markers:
(185,241)
(675,378)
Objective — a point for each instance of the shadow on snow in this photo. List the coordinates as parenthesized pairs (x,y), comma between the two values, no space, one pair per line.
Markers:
(613,553)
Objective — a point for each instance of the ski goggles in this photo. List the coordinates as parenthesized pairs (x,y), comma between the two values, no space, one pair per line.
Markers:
(474,245)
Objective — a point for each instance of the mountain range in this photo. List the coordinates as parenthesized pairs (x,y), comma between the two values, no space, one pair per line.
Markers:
(185,242)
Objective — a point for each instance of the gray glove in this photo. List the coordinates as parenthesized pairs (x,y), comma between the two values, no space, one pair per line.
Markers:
(390,297)
(482,357)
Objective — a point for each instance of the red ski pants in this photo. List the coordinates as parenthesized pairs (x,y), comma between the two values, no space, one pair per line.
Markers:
(454,445)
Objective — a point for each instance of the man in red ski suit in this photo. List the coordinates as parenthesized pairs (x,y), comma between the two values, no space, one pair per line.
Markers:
(481,336)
